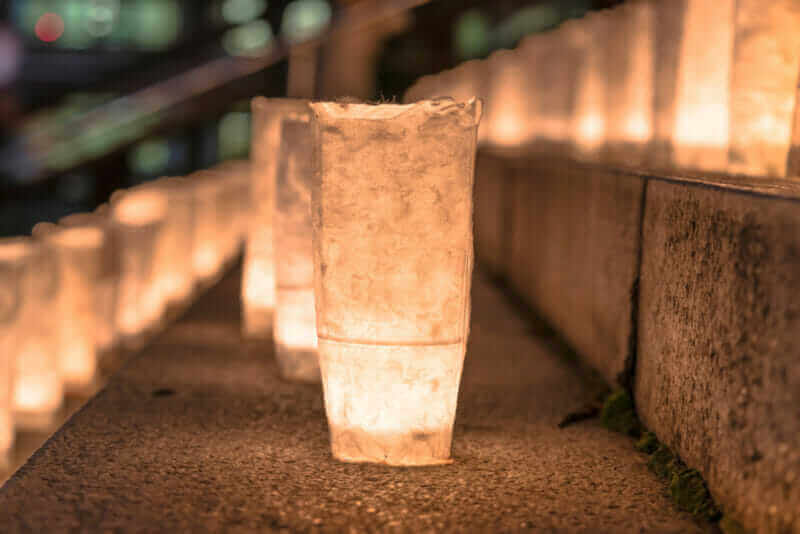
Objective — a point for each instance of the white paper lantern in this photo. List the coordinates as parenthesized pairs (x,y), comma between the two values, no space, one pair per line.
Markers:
(392,216)
(766,65)
(295,321)
(701,132)
(258,279)
(11,268)
(511,100)
(138,217)
(36,335)
(105,289)
(81,267)
(173,263)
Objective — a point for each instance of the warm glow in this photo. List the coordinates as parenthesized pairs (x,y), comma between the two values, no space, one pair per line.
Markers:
(12,257)
(763,85)
(38,388)
(392,216)
(295,321)
(510,99)
(589,118)
(138,217)
(80,258)
(700,135)
(208,256)
(631,74)
(258,284)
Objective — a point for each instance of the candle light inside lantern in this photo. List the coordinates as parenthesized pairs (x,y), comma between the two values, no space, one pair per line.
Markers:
(138,217)
(510,99)
(81,265)
(766,64)
(588,128)
(105,288)
(295,322)
(258,279)
(175,249)
(10,300)
(392,220)
(35,335)
(630,81)
(700,134)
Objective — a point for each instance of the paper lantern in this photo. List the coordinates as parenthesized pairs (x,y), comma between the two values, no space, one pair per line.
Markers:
(81,266)
(35,335)
(138,217)
(668,35)
(589,36)
(237,174)
(175,249)
(766,65)
(295,321)
(258,279)
(629,102)
(511,100)
(392,220)
(10,299)
(207,257)
(105,288)
(700,134)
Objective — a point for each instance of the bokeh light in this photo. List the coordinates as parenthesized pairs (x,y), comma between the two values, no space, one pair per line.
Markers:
(49,27)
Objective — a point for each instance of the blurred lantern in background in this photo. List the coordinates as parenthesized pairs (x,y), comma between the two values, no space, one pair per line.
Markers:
(208,254)
(138,217)
(81,265)
(105,287)
(392,219)
(510,101)
(12,254)
(629,98)
(173,261)
(590,37)
(295,322)
(766,65)
(38,358)
(700,134)
(258,279)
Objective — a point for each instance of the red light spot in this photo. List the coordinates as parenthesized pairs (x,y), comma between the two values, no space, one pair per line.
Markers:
(49,27)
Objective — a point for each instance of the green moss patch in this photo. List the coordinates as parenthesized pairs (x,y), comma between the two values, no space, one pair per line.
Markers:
(618,414)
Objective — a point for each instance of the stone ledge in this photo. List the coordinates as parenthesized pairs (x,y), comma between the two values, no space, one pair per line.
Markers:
(718,367)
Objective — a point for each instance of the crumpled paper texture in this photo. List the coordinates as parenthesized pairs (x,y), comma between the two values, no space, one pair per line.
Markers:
(392,219)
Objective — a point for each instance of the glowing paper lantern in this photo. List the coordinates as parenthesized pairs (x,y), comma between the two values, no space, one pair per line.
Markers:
(105,288)
(701,131)
(590,36)
(81,266)
(32,339)
(11,259)
(258,280)
(630,82)
(295,322)
(138,217)
(208,257)
(510,100)
(668,31)
(175,249)
(766,65)
(392,219)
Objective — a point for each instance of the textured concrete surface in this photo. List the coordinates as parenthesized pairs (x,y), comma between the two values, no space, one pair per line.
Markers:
(718,367)
(580,251)
(198,434)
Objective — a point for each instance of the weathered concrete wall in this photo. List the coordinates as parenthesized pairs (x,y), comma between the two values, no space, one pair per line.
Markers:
(574,254)
(718,369)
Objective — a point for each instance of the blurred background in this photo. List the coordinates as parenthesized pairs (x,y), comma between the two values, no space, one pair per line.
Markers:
(96,95)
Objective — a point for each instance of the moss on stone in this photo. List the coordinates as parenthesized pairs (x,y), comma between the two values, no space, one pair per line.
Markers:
(728,525)
(619,415)
(648,443)
(662,462)
(689,491)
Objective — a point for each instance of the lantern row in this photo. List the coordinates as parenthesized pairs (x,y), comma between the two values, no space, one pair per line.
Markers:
(686,84)
(72,292)
(357,220)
